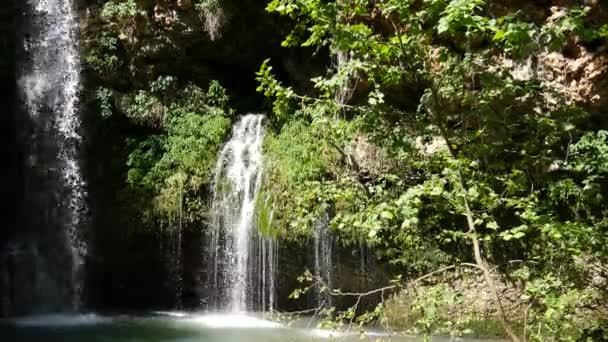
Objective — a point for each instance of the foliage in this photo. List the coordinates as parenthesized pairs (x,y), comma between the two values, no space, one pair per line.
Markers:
(293,157)
(127,20)
(104,99)
(122,10)
(515,36)
(474,153)
(210,5)
(102,56)
(171,127)
(462,16)
(170,169)
(297,153)
(570,22)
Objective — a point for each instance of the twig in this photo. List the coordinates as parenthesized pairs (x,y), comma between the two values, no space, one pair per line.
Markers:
(338,293)
(315,313)
(526,318)
(301,312)
(317,100)
(354,313)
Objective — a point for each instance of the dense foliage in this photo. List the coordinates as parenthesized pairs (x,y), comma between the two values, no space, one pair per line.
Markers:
(430,142)
(169,169)
(177,127)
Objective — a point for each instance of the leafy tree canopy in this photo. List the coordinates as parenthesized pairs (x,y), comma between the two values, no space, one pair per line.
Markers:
(430,142)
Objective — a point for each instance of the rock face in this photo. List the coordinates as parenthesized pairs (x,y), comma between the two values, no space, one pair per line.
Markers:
(581,74)
(227,41)
(578,76)
(579,69)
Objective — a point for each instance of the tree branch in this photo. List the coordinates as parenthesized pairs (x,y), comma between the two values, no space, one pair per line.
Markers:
(470,219)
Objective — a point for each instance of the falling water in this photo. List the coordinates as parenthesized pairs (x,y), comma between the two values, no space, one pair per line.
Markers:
(347,89)
(172,250)
(264,261)
(366,264)
(323,258)
(243,262)
(48,260)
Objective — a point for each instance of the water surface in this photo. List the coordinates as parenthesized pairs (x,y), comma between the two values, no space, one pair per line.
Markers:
(173,327)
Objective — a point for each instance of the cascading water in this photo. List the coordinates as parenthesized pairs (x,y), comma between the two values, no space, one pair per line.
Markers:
(242,262)
(45,264)
(263,269)
(323,258)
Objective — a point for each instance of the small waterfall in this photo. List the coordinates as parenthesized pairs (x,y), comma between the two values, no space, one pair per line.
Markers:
(48,267)
(265,263)
(323,258)
(171,245)
(347,89)
(366,265)
(242,263)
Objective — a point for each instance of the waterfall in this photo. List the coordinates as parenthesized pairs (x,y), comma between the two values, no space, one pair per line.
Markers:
(323,257)
(347,89)
(242,262)
(171,244)
(47,260)
(265,263)
(366,265)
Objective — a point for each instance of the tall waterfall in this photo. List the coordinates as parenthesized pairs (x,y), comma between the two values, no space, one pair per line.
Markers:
(242,262)
(46,262)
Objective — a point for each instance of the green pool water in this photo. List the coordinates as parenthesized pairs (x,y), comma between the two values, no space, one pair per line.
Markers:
(173,327)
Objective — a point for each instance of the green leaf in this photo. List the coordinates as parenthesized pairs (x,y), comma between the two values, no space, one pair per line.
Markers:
(387,215)
(498,35)
(492,225)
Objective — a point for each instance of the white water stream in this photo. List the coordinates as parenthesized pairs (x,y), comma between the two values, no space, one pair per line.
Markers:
(47,271)
(244,263)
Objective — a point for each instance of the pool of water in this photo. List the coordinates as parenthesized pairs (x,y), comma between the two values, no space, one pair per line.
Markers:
(173,327)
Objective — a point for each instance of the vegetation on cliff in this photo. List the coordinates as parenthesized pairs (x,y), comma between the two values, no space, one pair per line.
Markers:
(441,136)
(444,146)
(179,126)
